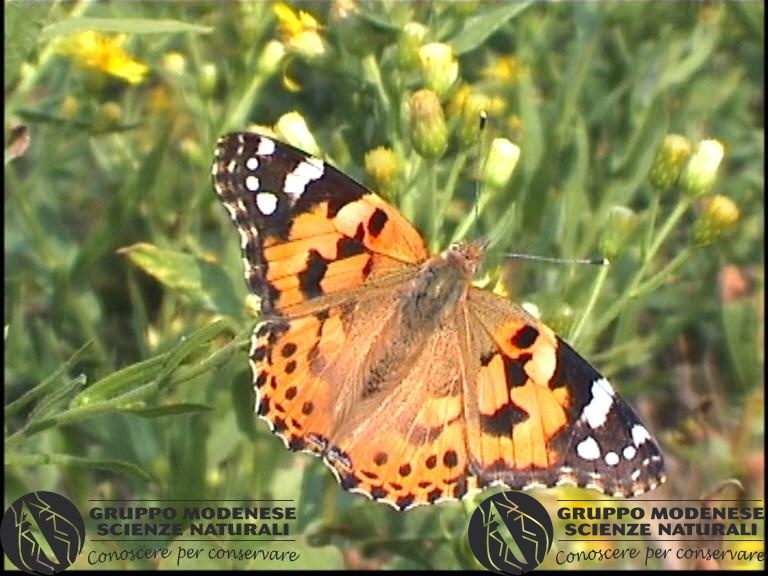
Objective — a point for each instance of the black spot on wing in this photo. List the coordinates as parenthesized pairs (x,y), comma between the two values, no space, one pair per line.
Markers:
(310,278)
(288,349)
(500,423)
(514,370)
(377,222)
(525,337)
(348,247)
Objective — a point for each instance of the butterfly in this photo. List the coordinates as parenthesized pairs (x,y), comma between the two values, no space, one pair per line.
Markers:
(413,385)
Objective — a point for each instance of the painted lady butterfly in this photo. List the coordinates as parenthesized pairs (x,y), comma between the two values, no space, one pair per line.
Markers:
(414,386)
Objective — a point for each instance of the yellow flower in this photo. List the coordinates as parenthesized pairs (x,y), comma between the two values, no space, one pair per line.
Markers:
(299,31)
(674,152)
(104,53)
(720,214)
(439,67)
(382,166)
(506,69)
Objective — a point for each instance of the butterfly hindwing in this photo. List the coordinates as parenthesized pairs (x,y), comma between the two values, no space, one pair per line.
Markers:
(326,385)
(546,416)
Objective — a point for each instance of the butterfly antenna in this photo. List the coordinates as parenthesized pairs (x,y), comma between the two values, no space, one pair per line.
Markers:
(481,158)
(589,261)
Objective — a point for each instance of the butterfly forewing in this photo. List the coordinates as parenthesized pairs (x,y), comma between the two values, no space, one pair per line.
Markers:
(307,230)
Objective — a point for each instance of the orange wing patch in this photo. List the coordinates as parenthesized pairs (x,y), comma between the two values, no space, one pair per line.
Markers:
(292,396)
(419,452)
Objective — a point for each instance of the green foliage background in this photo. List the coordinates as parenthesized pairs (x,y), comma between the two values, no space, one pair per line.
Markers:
(126,371)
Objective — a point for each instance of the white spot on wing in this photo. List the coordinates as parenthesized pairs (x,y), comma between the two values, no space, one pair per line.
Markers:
(629,452)
(307,171)
(266,147)
(611,458)
(588,449)
(252,163)
(252,183)
(599,407)
(639,435)
(266,202)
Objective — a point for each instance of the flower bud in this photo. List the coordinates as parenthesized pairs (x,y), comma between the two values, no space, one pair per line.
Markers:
(175,63)
(428,131)
(701,171)
(669,161)
(270,58)
(439,67)
(209,74)
(70,107)
(383,167)
(500,163)
(468,131)
(719,215)
(621,223)
(293,129)
(108,117)
(411,39)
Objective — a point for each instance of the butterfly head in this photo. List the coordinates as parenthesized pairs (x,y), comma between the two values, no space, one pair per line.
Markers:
(466,255)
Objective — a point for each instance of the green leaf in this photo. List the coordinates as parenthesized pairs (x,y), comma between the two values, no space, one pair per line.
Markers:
(152,371)
(741,337)
(169,410)
(120,382)
(176,270)
(479,27)
(206,284)
(121,26)
(127,468)
(687,58)
(23,22)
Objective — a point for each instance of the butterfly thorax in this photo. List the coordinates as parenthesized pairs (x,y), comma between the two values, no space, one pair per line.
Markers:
(440,285)
(429,304)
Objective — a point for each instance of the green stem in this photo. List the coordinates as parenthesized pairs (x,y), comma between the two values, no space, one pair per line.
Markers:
(474,215)
(653,246)
(43,387)
(434,240)
(666,229)
(596,289)
(373,74)
(450,188)
(659,278)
